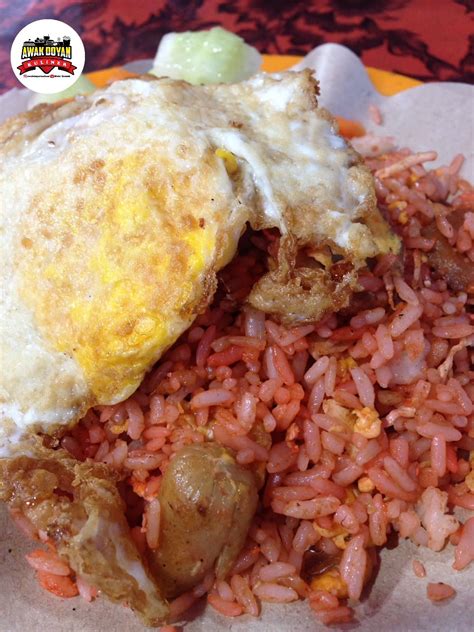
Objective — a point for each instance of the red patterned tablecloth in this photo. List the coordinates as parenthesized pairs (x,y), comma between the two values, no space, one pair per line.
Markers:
(427,39)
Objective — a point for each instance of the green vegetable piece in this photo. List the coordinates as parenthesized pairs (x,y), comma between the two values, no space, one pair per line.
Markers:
(215,56)
(82,86)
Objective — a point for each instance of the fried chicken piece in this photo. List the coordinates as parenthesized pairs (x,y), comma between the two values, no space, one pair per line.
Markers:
(79,508)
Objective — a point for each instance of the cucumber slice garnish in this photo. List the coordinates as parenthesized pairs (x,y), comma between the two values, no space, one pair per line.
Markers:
(82,86)
(215,56)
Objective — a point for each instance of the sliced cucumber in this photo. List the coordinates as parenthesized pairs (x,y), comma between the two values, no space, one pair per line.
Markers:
(82,86)
(215,56)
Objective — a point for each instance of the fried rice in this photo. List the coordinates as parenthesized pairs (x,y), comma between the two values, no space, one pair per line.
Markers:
(361,425)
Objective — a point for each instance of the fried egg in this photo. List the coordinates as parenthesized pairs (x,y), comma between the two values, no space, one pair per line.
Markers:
(118,209)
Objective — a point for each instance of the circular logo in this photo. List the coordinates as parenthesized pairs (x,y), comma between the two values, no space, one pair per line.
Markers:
(47,56)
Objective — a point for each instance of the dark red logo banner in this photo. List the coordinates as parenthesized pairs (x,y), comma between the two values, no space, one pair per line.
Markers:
(47,64)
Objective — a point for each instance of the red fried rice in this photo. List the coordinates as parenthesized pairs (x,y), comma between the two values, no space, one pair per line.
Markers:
(369,413)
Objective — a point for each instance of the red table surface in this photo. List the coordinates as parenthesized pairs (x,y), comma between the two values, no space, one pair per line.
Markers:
(426,39)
